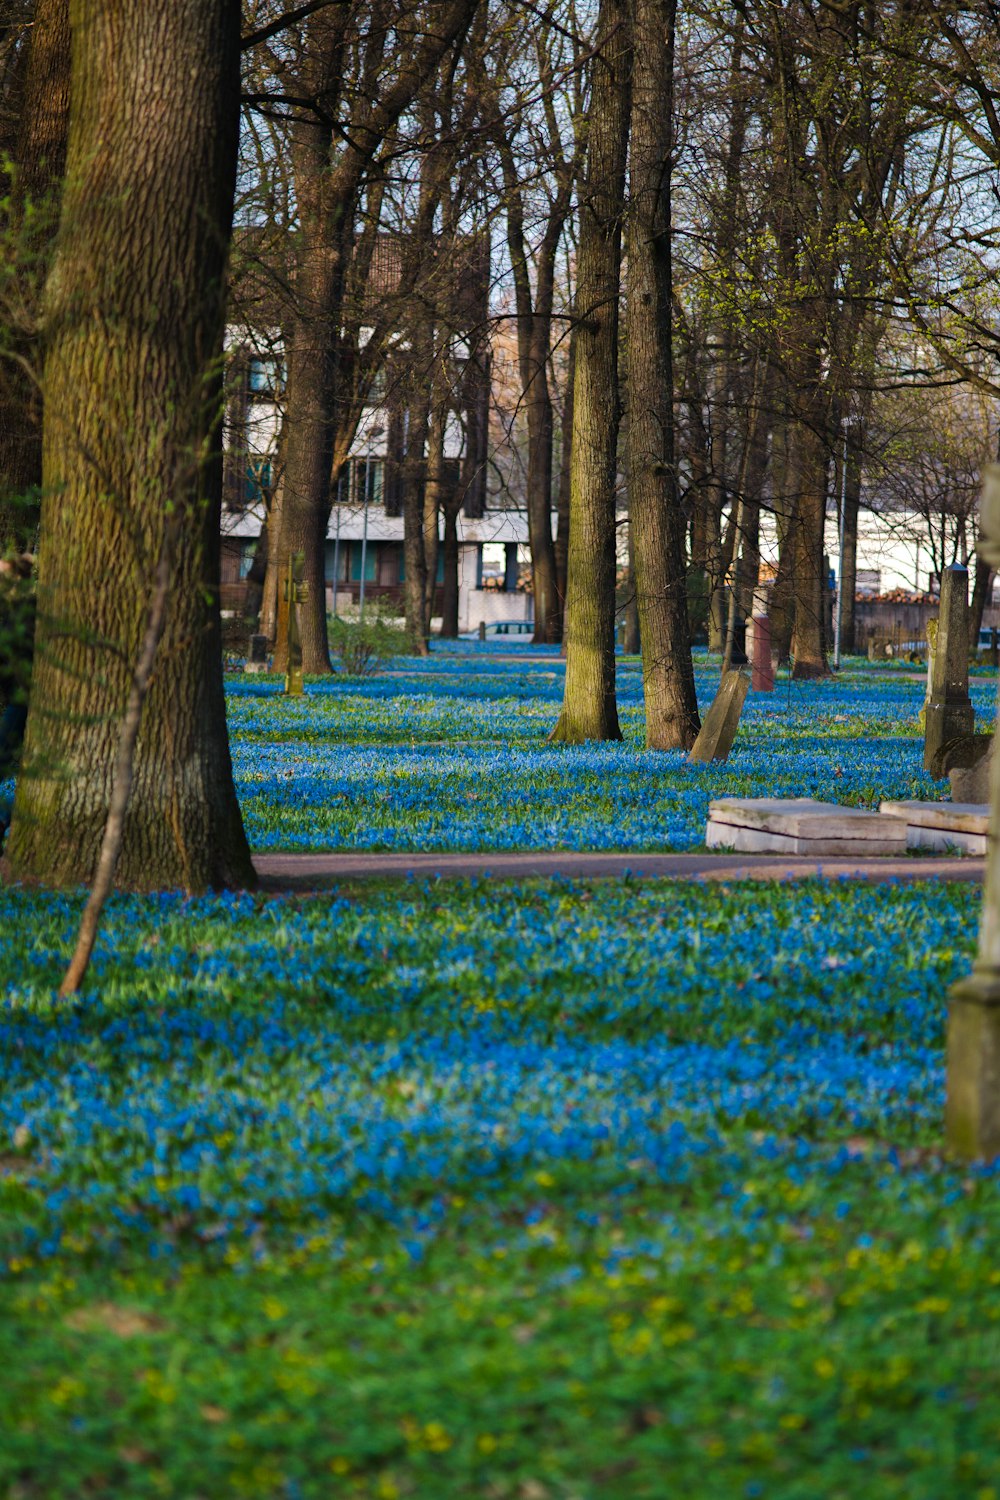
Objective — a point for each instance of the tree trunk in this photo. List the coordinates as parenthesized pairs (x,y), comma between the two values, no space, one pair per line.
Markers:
(134,314)
(656,517)
(449,600)
(539,495)
(632,644)
(414,561)
(562,503)
(808,647)
(849,561)
(40,155)
(305,509)
(589,710)
(433,496)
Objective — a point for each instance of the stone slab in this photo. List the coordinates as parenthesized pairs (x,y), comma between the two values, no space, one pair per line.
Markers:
(718,732)
(800,825)
(942,825)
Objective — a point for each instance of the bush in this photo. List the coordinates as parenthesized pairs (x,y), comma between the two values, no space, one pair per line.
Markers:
(361,645)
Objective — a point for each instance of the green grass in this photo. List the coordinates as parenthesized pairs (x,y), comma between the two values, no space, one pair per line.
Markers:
(522,1192)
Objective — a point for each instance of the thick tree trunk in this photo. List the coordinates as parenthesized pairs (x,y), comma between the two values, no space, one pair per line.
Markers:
(589,710)
(134,311)
(808,646)
(311,433)
(534,327)
(562,503)
(40,155)
(656,518)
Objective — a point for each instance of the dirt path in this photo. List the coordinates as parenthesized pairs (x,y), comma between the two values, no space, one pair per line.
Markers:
(298,871)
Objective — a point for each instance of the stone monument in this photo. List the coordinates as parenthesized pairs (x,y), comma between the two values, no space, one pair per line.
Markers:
(257,659)
(717,733)
(949,721)
(972,1109)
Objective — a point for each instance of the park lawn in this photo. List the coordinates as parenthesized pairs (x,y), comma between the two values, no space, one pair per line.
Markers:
(622,1189)
(451,752)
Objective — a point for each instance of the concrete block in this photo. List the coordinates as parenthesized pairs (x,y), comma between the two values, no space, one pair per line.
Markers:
(942,825)
(800,825)
(971,783)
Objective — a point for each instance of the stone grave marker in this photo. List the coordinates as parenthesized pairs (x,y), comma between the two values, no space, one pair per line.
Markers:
(942,825)
(257,659)
(762,680)
(949,717)
(800,825)
(972,1108)
(972,783)
(718,731)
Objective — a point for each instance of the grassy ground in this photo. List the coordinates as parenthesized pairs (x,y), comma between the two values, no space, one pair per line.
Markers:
(451,753)
(551,1190)
(546,1191)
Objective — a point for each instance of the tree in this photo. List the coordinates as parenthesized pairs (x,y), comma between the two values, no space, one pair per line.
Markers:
(336,136)
(38,140)
(549,167)
(133,313)
(655,519)
(589,709)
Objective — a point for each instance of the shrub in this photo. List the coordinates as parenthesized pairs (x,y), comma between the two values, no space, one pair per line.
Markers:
(361,645)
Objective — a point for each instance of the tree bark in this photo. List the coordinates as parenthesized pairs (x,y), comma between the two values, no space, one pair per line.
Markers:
(849,561)
(589,710)
(414,469)
(656,517)
(433,496)
(330,176)
(40,155)
(562,503)
(133,317)
(808,646)
(450,554)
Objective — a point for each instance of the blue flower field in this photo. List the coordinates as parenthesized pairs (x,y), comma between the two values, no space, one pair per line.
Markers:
(450,753)
(606,1190)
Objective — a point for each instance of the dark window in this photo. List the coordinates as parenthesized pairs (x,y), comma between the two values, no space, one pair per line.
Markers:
(265,377)
(257,488)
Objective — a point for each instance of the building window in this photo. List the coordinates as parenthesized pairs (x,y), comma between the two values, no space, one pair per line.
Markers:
(257,487)
(357,475)
(265,377)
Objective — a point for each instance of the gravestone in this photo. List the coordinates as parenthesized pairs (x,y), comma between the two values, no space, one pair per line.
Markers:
(972,1108)
(762,680)
(257,659)
(800,825)
(718,731)
(949,720)
(942,826)
(972,783)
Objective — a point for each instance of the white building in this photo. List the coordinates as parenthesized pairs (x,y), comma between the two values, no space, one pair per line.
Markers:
(365,534)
